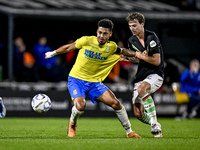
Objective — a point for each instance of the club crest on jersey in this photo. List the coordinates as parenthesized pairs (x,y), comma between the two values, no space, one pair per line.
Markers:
(107,48)
(152,43)
(75,92)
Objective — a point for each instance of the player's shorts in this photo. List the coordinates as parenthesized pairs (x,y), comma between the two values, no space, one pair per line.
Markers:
(154,80)
(82,88)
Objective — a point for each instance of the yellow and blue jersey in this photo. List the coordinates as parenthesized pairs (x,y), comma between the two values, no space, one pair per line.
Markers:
(94,61)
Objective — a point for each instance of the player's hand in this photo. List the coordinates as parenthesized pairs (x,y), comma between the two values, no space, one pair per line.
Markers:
(145,53)
(123,58)
(50,54)
(138,55)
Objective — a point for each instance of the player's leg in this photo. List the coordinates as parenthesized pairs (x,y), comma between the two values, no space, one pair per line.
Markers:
(2,109)
(140,113)
(78,96)
(109,99)
(77,109)
(138,107)
(150,85)
(143,91)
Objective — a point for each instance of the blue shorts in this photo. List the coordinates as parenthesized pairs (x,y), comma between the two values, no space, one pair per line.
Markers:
(82,88)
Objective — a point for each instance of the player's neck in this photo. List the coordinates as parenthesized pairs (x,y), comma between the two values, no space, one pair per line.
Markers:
(141,35)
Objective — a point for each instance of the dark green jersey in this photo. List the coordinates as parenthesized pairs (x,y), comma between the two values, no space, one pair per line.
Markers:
(152,45)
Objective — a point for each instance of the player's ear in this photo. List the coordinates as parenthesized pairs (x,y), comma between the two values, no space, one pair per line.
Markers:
(111,34)
(97,31)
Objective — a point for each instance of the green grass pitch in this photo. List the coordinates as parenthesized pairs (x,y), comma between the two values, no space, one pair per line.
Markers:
(96,134)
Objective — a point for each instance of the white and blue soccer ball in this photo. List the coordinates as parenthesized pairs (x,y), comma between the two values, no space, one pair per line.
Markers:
(41,103)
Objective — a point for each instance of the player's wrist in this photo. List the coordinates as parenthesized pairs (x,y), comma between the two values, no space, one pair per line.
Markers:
(54,53)
(50,54)
(122,50)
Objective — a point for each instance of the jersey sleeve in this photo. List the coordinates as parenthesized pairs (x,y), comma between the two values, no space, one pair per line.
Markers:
(154,44)
(116,48)
(81,42)
(119,50)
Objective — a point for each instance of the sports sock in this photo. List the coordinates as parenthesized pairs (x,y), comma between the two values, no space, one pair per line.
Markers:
(150,107)
(75,114)
(123,118)
(145,118)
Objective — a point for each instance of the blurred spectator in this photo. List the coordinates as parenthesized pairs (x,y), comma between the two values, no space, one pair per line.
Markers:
(47,68)
(24,63)
(190,84)
(114,75)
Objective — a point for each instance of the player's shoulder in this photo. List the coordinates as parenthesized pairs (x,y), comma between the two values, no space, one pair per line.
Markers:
(151,37)
(111,44)
(88,37)
(150,34)
(84,40)
(132,38)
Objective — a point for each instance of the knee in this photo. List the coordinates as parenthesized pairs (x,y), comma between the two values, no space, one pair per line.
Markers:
(80,104)
(141,91)
(116,104)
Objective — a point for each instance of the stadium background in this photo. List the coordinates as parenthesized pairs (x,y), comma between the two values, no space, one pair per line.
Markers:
(177,25)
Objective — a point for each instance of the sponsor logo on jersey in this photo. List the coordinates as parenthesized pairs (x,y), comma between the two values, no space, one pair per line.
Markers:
(147,106)
(152,43)
(94,55)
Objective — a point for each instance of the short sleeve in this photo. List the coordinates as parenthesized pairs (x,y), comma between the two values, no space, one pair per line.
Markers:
(154,44)
(113,46)
(81,42)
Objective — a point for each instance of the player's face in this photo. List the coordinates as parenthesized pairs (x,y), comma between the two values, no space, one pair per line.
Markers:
(135,27)
(103,35)
(194,67)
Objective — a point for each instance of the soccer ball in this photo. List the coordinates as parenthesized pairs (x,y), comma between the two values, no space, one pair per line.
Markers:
(41,103)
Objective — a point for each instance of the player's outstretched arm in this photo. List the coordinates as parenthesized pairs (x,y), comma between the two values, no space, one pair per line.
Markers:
(61,50)
(128,52)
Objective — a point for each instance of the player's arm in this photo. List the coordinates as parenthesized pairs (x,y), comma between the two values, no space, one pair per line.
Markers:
(128,52)
(131,60)
(127,55)
(154,59)
(125,52)
(154,48)
(61,50)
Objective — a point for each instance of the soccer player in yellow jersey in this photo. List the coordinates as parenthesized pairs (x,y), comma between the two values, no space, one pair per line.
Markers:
(97,56)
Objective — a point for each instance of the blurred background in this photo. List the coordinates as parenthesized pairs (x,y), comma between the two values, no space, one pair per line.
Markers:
(28,26)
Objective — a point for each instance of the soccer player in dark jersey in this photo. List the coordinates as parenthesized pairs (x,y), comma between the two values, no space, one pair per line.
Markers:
(149,76)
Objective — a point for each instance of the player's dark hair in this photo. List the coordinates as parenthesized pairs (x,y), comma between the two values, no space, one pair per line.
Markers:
(140,17)
(106,23)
